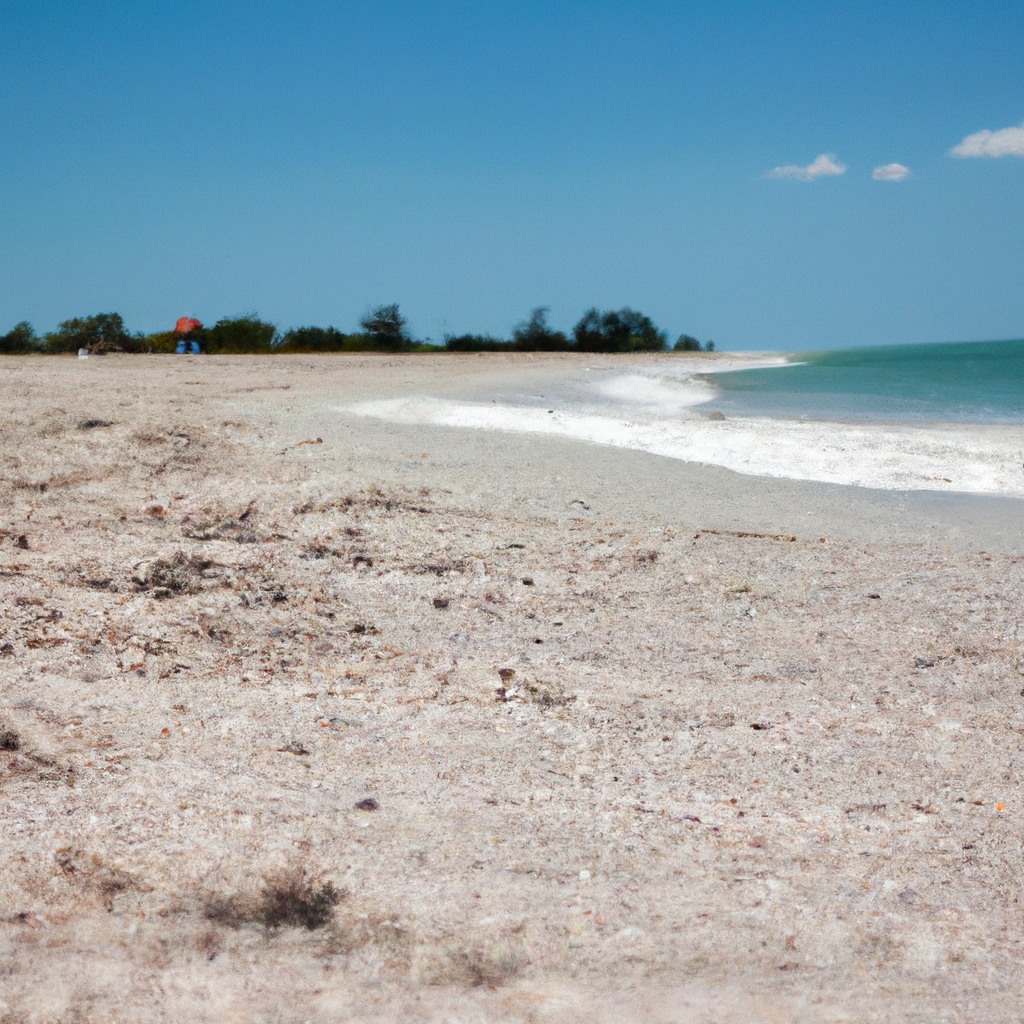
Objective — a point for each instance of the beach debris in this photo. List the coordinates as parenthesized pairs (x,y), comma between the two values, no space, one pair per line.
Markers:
(94,424)
(318,440)
(220,527)
(293,747)
(544,695)
(924,663)
(22,542)
(179,574)
(6,650)
(760,726)
(438,568)
(9,740)
(506,674)
(743,533)
(875,597)
(367,804)
(717,415)
(441,603)
(362,560)
(527,581)
(360,628)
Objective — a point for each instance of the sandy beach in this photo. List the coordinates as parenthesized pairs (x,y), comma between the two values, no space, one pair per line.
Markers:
(366,688)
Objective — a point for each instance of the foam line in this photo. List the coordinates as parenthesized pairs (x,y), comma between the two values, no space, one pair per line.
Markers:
(982,459)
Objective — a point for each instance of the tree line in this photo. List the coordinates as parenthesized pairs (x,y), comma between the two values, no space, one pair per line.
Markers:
(383,329)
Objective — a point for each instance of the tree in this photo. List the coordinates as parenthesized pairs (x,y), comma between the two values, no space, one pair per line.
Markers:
(686,344)
(623,330)
(534,335)
(102,332)
(20,339)
(386,326)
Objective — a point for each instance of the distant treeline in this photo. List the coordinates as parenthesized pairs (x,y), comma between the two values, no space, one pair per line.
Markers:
(383,330)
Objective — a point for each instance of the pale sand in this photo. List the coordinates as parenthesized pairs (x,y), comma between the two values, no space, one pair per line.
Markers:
(536,854)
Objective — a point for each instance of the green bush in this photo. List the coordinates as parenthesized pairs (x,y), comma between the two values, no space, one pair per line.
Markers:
(623,330)
(237,334)
(686,344)
(163,341)
(19,340)
(475,343)
(314,339)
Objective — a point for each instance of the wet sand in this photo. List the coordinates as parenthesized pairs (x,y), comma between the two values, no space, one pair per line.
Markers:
(646,740)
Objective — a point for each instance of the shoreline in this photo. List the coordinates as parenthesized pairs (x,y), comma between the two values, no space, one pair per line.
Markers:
(967,458)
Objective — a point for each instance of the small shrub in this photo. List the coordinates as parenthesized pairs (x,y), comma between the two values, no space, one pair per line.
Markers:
(287,902)
(314,339)
(238,334)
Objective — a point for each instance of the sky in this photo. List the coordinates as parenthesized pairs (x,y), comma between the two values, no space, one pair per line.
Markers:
(768,176)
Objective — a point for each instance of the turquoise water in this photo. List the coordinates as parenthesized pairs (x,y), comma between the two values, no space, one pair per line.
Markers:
(980,382)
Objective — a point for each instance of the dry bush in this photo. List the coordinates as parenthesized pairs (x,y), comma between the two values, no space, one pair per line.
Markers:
(288,901)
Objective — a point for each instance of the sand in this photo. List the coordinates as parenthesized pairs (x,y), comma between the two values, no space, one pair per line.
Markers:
(635,739)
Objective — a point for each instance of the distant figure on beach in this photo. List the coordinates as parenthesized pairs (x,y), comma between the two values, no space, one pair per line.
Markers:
(184,327)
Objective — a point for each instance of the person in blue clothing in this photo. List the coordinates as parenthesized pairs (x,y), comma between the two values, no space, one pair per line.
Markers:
(185,326)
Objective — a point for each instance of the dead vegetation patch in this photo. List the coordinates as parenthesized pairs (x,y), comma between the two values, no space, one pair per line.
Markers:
(169,577)
(543,695)
(214,525)
(442,567)
(372,499)
(289,901)
(92,871)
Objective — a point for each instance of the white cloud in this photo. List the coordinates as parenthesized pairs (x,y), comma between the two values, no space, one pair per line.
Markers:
(1005,142)
(824,166)
(890,172)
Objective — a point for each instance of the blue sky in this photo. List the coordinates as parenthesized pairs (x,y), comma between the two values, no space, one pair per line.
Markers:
(474,160)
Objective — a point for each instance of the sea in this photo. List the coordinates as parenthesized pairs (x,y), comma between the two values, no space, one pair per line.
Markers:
(955,382)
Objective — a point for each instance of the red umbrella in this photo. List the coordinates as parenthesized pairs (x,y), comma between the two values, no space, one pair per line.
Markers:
(187,324)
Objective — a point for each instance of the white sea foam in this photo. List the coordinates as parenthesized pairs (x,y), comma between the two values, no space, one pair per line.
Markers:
(983,459)
(659,394)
